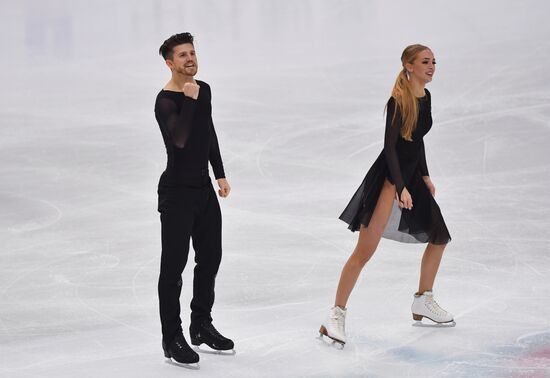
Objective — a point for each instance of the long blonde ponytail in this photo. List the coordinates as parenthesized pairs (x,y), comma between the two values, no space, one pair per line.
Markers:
(402,92)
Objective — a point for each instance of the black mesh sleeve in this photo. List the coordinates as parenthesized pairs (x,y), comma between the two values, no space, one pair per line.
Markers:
(391,136)
(215,156)
(178,125)
(422,162)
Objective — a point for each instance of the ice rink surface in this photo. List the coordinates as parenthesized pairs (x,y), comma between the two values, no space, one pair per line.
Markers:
(299,89)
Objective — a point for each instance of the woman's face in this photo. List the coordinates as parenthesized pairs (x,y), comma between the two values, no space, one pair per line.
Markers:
(423,67)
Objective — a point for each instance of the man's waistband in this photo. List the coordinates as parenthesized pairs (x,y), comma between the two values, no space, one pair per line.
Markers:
(196,178)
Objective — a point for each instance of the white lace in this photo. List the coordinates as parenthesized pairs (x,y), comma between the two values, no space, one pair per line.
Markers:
(432,305)
(337,319)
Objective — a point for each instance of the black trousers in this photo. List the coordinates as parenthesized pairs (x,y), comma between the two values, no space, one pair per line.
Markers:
(190,212)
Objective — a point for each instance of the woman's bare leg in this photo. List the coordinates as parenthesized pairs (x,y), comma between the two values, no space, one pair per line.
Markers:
(368,240)
(430,265)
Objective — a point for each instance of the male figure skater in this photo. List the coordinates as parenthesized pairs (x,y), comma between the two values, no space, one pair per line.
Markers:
(187,201)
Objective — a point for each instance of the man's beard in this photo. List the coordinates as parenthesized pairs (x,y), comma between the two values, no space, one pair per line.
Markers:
(191,71)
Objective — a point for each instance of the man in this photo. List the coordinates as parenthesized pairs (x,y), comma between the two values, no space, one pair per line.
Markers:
(187,201)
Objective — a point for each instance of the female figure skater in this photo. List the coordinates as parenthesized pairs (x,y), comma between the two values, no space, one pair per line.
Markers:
(399,174)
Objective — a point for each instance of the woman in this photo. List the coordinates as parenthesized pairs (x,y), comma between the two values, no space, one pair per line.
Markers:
(400,173)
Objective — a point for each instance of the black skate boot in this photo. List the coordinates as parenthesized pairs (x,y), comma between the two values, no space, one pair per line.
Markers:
(180,351)
(207,334)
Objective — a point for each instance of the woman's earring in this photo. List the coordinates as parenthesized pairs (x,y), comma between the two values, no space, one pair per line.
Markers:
(408,76)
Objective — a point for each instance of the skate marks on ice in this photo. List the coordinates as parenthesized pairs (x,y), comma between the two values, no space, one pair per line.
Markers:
(26,213)
(532,354)
(528,356)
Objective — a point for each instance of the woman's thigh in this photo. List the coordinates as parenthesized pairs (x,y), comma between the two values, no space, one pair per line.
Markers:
(380,216)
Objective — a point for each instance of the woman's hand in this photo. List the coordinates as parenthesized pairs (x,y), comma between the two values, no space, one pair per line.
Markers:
(429,184)
(405,201)
(224,188)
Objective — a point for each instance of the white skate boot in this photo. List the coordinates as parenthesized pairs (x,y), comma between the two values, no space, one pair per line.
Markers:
(334,326)
(425,306)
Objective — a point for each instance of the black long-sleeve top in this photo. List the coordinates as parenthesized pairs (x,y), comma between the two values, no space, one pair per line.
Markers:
(189,136)
(404,157)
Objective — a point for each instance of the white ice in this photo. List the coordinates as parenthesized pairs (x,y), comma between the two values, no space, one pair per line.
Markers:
(299,89)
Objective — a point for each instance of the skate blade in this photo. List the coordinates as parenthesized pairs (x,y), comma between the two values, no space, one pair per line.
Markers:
(434,325)
(208,350)
(192,366)
(333,342)
(418,322)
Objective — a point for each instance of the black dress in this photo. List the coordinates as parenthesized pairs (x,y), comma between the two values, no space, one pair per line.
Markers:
(403,163)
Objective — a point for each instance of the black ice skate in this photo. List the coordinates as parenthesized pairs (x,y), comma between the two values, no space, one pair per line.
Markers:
(207,334)
(179,351)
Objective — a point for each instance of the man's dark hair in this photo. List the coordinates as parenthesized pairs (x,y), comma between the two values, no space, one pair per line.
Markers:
(166,49)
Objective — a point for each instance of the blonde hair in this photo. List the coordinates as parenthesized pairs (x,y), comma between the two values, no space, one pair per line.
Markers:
(402,92)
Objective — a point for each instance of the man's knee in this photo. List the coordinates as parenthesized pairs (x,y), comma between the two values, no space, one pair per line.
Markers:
(208,259)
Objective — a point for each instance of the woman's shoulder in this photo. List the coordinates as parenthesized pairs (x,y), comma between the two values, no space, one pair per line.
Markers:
(427,99)
(393,104)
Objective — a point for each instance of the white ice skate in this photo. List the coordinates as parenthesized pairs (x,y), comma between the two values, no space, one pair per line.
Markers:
(334,326)
(425,306)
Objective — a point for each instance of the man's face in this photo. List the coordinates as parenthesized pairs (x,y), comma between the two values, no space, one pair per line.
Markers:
(184,60)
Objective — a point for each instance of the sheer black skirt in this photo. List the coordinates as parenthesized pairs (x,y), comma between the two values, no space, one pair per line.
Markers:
(423,223)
